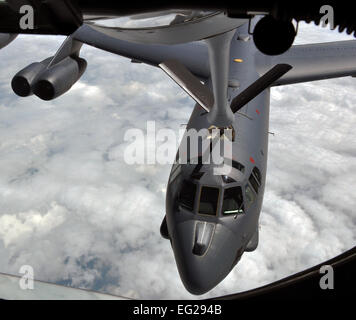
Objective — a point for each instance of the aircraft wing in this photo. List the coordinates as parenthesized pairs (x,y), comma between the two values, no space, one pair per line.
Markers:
(309,62)
(10,289)
(194,55)
(178,40)
(313,62)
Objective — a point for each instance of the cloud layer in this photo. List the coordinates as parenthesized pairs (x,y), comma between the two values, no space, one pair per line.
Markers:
(71,208)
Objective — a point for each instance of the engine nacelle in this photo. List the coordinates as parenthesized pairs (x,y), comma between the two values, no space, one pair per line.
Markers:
(48,83)
(23,81)
(59,78)
(6,38)
(273,37)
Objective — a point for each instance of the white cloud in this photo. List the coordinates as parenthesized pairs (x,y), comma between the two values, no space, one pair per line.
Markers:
(73,209)
(18,228)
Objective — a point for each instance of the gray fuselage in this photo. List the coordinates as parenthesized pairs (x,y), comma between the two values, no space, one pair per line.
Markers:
(207,246)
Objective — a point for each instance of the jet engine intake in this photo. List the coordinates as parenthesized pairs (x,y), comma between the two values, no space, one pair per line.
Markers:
(23,81)
(59,78)
(48,82)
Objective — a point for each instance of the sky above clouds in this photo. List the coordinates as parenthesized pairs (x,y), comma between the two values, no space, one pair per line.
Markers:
(75,211)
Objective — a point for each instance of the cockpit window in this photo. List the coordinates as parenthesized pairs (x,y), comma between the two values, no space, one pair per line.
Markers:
(253,182)
(197,174)
(250,196)
(257,174)
(209,199)
(227,179)
(255,178)
(187,195)
(176,170)
(238,166)
(233,201)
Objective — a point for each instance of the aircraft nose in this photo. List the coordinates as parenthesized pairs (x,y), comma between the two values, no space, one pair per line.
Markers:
(204,253)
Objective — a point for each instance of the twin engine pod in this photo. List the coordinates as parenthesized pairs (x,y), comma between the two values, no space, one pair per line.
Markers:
(48,83)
